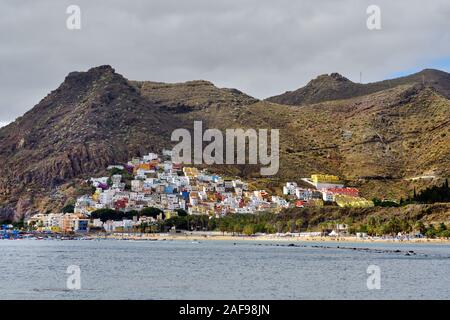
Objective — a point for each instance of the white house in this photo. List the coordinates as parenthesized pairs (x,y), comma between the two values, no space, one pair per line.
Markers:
(289,188)
(150,157)
(137,185)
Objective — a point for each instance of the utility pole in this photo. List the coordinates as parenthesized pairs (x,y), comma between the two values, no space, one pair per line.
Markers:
(360,77)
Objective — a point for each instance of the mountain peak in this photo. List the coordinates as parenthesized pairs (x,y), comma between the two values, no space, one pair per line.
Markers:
(92,72)
(195,94)
(431,70)
(323,88)
(336,87)
(329,78)
(333,76)
(103,76)
(104,67)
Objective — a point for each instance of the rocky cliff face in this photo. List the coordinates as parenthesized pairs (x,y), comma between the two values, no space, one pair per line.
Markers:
(93,119)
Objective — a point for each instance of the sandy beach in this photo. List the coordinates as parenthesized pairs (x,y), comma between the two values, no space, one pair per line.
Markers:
(220,237)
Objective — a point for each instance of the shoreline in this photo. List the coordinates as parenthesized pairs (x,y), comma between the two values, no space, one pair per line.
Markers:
(265,238)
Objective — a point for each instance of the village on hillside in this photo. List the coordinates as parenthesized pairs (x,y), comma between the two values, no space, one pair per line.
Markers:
(154,181)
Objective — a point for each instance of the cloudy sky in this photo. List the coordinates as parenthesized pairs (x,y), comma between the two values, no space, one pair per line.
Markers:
(262,47)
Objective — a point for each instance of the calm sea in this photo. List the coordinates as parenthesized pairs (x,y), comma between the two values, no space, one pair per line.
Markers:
(121,269)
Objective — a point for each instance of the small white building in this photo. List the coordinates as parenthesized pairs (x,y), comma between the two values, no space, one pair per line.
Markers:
(289,188)
(150,157)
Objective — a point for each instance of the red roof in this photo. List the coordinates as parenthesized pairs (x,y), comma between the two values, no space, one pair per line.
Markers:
(299,203)
(345,191)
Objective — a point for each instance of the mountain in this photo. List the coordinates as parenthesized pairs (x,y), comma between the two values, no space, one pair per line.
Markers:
(385,136)
(191,95)
(92,119)
(376,139)
(336,87)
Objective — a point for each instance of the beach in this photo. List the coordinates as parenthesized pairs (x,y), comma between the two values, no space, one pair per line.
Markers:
(192,236)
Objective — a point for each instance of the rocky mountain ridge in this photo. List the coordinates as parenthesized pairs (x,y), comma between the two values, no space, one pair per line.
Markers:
(337,87)
(98,117)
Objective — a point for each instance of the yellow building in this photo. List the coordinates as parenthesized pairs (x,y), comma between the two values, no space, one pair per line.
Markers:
(324,178)
(55,229)
(201,210)
(96,195)
(170,214)
(190,172)
(354,202)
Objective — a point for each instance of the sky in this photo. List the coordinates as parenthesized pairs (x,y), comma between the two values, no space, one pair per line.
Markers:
(261,47)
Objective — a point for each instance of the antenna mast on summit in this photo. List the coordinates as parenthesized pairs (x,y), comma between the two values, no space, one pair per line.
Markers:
(360,77)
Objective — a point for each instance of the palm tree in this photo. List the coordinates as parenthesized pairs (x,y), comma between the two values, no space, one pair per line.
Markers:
(279,225)
(299,224)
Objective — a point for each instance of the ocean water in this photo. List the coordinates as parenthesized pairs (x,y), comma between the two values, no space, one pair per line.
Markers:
(121,269)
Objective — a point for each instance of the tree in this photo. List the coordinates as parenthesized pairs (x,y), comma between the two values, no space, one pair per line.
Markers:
(181,212)
(404,226)
(291,225)
(143,227)
(223,225)
(68,208)
(32,225)
(212,224)
(155,227)
(431,232)
(270,228)
(237,228)
(385,203)
(280,226)
(152,212)
(442,227)
(445,234)
(115,171)
(393,226)
(177,222)
(420,227)
(348,221)
(434,194)
(131,214)
(106,214)
(299,224)
(249,229)
(363,228)
(19,224)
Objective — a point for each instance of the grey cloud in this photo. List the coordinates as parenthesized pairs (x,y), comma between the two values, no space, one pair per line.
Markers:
(262,47)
